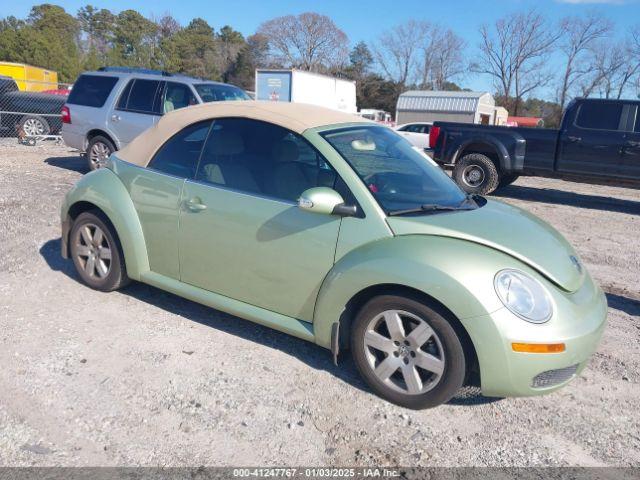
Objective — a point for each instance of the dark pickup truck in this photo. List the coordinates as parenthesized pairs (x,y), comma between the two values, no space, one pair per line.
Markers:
(598,142)
(28,113)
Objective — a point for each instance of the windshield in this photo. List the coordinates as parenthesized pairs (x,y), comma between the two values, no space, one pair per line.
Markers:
(212,92)
(400,178)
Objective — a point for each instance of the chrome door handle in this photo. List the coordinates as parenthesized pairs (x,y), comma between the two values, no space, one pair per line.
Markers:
(115,117)
(574,139)
(195,206)
(631,143)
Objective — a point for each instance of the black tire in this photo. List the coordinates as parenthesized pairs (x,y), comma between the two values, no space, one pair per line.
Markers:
(33,125)
(449,349)
(476,173)
(116,271)
(98,150)
(508,179)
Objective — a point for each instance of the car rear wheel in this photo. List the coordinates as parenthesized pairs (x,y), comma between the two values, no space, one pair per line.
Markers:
(407,352)
(33,126)
(98,151)
(96,252)
(508,179)
(476,173)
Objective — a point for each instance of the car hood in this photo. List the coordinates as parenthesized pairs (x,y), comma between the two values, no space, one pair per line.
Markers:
(505,228)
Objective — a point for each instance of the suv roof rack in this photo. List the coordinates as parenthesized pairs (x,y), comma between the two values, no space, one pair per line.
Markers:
(147,71)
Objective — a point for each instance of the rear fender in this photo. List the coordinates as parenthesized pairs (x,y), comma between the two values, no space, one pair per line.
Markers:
(104,189)
(511,159)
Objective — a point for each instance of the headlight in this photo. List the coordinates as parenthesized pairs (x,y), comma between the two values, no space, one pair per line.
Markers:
(523,296)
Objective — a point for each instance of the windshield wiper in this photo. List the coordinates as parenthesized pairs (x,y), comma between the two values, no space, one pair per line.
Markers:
(429,207)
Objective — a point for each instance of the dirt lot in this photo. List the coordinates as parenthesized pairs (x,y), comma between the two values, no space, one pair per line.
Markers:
(141,377)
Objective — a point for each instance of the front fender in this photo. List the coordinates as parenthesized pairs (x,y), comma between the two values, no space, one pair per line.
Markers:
(457,273)
(104,189)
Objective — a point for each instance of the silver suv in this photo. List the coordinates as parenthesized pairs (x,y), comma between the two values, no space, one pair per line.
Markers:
(110,107)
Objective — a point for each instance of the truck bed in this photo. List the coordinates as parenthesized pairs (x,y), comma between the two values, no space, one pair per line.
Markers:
(531,149)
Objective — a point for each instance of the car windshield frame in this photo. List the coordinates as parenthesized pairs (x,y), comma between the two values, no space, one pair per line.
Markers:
(451,197)
(221,86)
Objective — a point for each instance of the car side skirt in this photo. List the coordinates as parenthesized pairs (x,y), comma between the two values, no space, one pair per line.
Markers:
(282,323)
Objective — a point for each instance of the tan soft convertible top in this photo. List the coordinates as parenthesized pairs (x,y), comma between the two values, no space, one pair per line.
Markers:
(296,117)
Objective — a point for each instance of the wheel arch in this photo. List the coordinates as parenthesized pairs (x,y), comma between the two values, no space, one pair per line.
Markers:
(357,301)
(493,150)
(99,132)
(102,190)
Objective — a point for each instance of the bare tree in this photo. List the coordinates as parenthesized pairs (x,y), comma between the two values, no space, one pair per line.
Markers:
(514,54)
(448,57)
(167,25)
(578,35)
(606,60)
(614,68)
(308,41)
(397,50)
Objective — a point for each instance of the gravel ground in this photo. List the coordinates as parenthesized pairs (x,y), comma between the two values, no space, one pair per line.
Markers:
(142,377)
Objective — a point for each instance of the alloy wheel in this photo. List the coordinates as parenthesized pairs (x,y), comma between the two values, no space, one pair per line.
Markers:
(93,251)
(33,127)
(98,154)
(473,176)
(404,352)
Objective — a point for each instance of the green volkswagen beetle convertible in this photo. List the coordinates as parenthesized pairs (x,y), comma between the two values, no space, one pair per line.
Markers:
(335,230)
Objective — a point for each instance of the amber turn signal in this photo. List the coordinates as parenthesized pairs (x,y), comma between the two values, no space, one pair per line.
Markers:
(538,347)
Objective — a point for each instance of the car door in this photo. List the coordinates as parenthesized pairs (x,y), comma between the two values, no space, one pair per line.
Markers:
(414,133)
(630,161)
(156,193)
(242,234)
(592,145)
(135,110)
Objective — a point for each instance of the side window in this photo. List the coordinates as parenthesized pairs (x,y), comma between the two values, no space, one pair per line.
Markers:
(124,96)
(637,127)
(179,155)
(599,115)
(176,95)
(143,93)
(425,129)
(262,158)
(91,90)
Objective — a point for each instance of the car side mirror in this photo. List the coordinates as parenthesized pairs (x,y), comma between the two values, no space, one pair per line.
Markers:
(326,201)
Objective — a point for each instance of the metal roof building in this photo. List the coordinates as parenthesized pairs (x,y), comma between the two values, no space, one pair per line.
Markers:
(431,106)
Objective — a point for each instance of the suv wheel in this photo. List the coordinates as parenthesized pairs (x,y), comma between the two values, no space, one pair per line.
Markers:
(98,151)
(476,173)
(408,353)
(96,252)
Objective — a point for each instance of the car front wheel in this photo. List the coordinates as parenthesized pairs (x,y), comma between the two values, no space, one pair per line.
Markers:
(407,352)
(96,252)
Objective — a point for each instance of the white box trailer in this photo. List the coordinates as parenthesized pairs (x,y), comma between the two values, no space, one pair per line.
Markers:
(306,87)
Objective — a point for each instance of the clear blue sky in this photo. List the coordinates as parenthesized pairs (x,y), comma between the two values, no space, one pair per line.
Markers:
(361,20)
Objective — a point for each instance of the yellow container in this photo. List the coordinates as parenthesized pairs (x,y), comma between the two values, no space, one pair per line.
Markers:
(29,78)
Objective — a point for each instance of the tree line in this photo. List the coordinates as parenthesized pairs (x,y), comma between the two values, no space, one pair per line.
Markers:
(590,57)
